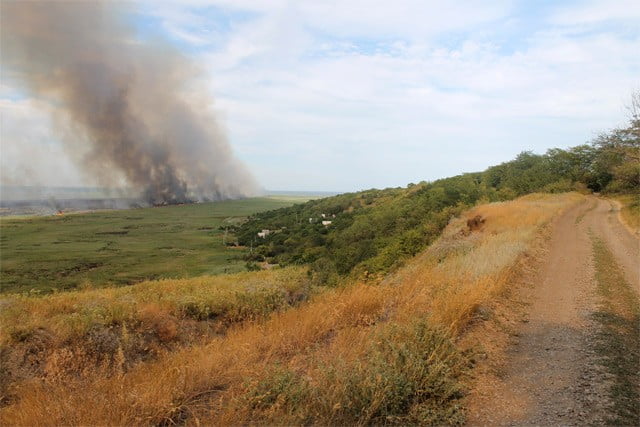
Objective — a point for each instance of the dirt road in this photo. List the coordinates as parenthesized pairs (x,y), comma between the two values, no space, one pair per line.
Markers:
(551,375)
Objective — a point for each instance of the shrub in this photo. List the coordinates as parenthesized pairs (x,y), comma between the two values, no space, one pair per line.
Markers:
(410,374)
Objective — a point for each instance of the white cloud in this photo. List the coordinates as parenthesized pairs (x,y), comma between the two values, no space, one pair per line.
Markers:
(472,100)
(598,12)
(340,95)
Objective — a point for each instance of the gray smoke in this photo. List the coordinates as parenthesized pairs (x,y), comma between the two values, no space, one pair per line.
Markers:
(140,107)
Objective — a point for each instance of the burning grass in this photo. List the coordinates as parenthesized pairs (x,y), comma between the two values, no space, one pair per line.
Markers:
(361,354)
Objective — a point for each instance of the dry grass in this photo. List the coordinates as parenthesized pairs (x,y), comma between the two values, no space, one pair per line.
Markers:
(630,211)
(70,334)
(357,355)
(226,297)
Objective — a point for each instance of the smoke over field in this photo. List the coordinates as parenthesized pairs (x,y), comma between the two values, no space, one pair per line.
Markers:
(138,108)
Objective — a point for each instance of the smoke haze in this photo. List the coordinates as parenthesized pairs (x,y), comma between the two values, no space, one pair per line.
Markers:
(139,108)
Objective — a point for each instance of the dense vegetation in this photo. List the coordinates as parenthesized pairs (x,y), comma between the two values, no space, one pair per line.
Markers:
(374,231)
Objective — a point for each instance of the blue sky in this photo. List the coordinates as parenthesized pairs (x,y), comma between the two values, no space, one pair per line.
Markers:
(348,95)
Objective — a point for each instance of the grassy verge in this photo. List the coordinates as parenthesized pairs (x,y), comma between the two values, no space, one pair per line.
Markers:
(121,247)
(630,211)
(618,341)
(360,354)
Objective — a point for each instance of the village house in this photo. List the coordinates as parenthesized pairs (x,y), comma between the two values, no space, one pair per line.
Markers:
(264,233)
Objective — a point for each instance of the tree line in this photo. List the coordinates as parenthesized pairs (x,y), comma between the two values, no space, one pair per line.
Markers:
(375,231)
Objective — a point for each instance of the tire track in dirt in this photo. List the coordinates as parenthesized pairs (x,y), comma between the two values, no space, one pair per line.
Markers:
(551,375)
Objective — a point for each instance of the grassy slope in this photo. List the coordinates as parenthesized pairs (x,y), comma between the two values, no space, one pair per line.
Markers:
(112,328)
(371,354)
(122,247)
(372,232)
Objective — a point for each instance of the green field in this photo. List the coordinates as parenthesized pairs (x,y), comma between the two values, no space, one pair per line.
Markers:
(120,247)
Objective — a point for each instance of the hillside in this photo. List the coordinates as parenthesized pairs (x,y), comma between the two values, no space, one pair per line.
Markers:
(373,232)
(365,235)
(356,351)
(114,328)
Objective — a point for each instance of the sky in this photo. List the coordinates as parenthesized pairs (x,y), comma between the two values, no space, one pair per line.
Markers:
(349,95)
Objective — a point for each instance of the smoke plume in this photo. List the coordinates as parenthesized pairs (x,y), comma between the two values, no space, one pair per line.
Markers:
(139,106)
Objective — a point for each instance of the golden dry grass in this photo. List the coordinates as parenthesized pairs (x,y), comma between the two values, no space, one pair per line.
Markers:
(630,211)
(71,334)
(226,297)
(360,354)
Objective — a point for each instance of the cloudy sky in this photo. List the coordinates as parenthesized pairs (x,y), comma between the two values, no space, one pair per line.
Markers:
(347,95)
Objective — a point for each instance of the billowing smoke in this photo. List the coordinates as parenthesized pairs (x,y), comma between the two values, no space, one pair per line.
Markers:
(139,107)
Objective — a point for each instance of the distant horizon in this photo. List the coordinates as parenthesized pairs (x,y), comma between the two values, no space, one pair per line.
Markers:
(49,191)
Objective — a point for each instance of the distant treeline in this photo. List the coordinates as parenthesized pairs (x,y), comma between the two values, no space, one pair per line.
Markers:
(374,231)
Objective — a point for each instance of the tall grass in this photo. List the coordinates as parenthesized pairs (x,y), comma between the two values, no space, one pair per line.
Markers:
(228,298)
(59,334)
(362,354)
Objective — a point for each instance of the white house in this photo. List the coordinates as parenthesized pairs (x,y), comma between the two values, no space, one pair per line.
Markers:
(326,223)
